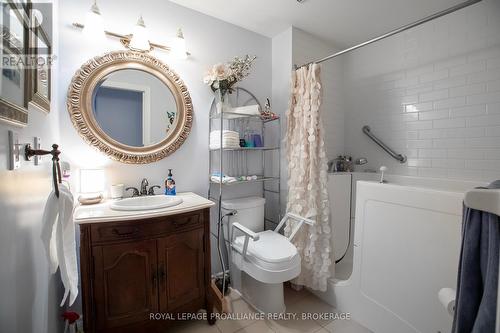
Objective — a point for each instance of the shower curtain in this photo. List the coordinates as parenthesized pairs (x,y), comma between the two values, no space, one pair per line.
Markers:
(307,178)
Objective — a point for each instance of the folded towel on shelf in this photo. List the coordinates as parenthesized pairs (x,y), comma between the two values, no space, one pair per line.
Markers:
(225,137)
(215,177)
(251,110)
(225,144)
(225,133)
(58,237)
(230,139)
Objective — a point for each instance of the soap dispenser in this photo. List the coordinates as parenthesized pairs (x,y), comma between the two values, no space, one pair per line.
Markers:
(170,184)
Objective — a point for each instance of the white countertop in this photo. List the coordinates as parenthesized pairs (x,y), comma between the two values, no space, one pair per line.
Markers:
(103,213)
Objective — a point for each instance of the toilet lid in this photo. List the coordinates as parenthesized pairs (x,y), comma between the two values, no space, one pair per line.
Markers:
(271,247)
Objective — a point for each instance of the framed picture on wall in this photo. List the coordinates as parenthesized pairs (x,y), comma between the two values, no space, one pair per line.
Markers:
(14,30)
(39,73)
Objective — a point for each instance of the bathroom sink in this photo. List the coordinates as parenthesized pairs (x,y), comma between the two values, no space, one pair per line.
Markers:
(146,202)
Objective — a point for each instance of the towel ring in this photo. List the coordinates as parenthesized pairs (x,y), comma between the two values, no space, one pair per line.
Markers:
(56,168)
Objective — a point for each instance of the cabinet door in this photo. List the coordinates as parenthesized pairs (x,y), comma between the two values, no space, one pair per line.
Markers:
(126,285)
(181,274)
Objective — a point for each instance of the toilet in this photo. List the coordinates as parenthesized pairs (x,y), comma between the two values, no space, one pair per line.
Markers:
(258,274)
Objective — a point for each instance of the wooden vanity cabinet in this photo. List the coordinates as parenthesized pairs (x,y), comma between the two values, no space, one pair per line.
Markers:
(133,269)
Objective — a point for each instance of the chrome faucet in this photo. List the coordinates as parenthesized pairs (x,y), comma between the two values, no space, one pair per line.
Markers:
(151,190)
(383,169)
(144,186)
(144,189)
(135,192)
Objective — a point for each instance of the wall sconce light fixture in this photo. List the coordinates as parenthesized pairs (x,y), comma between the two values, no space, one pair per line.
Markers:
(136,41)
(94,23)
(139,40)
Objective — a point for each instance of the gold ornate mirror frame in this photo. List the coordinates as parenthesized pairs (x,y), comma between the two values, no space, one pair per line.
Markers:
(79,104)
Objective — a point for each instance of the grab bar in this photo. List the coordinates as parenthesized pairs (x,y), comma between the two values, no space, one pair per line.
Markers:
(400,157)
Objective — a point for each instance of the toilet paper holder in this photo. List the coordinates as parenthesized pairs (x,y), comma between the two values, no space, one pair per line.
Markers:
(447,297)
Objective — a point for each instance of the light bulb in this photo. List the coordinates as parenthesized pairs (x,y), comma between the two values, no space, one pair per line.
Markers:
(139,39)
(179,45)
(94,24)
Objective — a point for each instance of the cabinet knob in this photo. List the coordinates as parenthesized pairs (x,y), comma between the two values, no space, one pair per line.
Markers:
(125,232)
(162,272)
(181,223)
(154,277)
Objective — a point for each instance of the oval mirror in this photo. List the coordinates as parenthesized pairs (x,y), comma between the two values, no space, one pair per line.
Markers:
(130,106)
(134,107)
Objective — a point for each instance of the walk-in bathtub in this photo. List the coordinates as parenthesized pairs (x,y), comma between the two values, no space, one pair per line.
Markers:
(404,248)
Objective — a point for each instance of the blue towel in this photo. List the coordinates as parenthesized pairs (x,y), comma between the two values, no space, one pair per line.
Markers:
(476,300)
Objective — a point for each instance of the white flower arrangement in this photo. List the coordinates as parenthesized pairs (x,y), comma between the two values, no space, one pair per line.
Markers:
(224,76)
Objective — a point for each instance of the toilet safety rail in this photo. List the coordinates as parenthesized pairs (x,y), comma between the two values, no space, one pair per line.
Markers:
(248,234)
(255,236)
(298,219)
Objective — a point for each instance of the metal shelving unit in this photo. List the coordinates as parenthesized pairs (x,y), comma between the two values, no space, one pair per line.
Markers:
(229,161)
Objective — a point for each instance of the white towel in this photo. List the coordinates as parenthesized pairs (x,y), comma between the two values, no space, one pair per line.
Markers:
(58,236)
(225,134)
(229,143)
(225,179)
(225,140)
(249,109)
(224,145)
(215,147)
(230,139)
(49,232)
(216,134)
(217,139)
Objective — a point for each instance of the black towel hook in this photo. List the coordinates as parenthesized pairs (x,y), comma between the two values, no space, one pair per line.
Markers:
(56,168)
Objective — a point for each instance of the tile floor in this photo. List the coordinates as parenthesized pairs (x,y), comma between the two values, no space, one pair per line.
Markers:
(297,302)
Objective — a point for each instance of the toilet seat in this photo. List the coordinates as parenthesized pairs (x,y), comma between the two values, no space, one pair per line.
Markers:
(271,259)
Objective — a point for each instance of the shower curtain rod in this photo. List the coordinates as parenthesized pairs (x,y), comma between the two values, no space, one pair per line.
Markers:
(396,31)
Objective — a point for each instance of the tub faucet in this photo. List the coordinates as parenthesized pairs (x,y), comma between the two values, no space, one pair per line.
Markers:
(361,161)
(383,169)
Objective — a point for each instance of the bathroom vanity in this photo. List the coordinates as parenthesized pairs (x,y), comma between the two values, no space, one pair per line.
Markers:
(138,265)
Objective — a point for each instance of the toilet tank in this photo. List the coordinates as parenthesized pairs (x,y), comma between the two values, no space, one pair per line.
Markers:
(250,212)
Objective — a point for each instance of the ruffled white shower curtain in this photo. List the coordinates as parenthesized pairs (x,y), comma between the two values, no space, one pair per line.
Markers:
(307,178)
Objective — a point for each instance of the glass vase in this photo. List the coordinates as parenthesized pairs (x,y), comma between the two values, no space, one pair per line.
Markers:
(222,101)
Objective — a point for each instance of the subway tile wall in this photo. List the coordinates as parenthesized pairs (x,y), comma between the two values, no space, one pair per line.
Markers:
(432,93)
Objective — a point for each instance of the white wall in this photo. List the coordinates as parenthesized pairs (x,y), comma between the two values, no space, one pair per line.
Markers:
(209,40)
(307,48)
(281,69)
(30,296)
(296,47)
(432,93)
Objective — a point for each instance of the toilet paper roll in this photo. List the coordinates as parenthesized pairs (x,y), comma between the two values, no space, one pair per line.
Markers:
(447,299)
